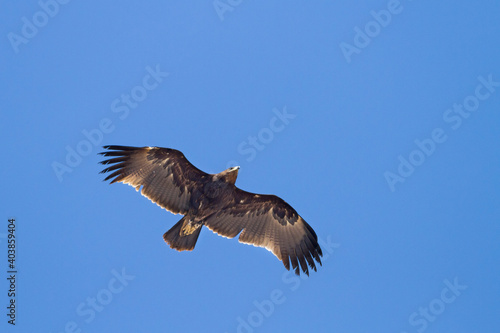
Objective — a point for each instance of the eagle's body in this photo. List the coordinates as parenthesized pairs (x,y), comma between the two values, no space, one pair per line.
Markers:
(171,181)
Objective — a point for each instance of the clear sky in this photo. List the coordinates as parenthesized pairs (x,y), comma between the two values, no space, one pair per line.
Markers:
(378,121)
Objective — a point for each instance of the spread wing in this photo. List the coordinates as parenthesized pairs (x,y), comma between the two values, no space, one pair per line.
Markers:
(166,176)
(268,221)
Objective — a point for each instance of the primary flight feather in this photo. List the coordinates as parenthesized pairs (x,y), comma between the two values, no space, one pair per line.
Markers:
(168,179)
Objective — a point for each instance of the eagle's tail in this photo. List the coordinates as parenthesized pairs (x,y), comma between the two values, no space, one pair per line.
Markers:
(183,235)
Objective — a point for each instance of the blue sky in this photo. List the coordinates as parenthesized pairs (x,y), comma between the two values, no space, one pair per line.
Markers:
(377,120)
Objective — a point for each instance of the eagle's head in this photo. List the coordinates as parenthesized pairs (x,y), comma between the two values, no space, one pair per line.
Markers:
(230,175)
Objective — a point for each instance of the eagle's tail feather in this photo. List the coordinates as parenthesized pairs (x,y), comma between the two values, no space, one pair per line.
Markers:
(182,236)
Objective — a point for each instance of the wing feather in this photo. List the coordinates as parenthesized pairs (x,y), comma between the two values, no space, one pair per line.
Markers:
(164,175)
(268,221)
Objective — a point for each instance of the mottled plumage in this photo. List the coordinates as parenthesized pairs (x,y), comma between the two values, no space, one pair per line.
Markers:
(168,179)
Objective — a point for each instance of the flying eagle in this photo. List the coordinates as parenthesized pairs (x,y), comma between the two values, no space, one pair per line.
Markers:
(212,200)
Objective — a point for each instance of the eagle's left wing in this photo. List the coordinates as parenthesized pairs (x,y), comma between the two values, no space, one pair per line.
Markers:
(163,175)
(268,221)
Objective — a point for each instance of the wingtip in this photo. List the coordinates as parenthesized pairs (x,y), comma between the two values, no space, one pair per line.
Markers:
(116,147)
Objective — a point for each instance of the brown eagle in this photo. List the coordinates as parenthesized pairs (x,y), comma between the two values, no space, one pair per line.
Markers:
(212,200)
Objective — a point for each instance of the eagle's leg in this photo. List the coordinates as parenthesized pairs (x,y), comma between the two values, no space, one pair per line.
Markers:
(183,235)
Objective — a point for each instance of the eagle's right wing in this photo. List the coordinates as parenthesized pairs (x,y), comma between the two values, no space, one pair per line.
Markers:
(268,221)
(166,176)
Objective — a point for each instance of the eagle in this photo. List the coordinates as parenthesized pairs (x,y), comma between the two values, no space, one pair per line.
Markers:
(168,179)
